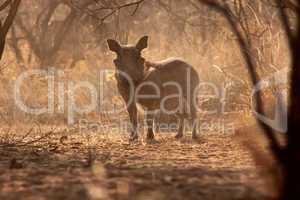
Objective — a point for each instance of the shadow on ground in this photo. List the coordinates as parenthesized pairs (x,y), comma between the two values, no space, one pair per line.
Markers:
(215,168)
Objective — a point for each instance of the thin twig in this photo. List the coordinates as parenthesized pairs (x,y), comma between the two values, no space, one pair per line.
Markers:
(113,9)
(38,139)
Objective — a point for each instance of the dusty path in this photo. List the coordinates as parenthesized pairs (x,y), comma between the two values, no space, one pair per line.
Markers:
(215,167)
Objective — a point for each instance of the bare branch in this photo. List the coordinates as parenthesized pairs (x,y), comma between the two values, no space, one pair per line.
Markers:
(112,9)
(5,4)
(285,21)
(7,24)
(12,13)
(251,66)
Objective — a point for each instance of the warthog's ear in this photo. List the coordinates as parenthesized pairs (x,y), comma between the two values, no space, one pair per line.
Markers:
(113,45)
(142,43)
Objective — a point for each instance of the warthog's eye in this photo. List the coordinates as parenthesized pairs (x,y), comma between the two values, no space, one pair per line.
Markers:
(117,62)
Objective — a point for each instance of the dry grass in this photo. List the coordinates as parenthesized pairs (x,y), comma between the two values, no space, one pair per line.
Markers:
(70,165)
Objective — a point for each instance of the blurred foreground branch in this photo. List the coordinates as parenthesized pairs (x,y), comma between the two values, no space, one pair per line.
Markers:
(225,11)
(288,156)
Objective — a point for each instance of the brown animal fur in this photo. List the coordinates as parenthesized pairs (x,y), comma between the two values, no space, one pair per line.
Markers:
(164,74)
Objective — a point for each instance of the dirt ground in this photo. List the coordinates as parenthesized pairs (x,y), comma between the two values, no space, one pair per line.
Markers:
(65,165)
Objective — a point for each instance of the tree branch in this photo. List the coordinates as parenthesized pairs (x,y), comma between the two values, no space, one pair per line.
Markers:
(7,24)
(224,10)
(5,4)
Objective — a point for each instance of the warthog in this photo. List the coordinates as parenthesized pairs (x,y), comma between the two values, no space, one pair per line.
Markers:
(168,86)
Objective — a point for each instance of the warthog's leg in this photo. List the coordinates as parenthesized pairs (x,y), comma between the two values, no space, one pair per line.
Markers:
(149,120)
(194,122)
(132,111)
(181,128)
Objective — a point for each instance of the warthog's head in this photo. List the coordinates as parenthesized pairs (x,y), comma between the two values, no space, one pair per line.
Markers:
(129,59)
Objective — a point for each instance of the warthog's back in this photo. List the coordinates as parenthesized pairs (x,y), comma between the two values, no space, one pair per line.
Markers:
(173,70)
(171,76)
